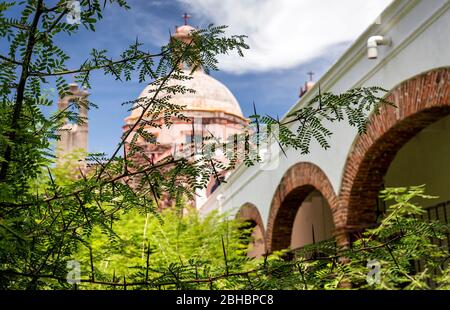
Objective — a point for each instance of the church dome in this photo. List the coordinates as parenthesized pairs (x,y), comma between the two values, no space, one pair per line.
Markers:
(210,95)
(183,32)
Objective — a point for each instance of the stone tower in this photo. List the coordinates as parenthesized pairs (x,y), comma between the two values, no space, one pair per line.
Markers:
(73,136)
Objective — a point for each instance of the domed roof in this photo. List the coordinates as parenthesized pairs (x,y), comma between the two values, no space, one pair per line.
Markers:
(210,95)
(183,31)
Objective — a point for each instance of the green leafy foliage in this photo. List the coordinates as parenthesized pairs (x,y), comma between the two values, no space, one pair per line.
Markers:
(353,105)
(45,214)
(171,247)
(48,214)
(185,251)
(400,242)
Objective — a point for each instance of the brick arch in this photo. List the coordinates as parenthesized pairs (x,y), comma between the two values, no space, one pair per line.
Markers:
(420,101)
(249,212)
(297,183)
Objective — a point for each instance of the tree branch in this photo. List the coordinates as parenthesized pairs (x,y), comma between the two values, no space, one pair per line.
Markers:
(57,20)
(7,59)
(21,90)
(92,68)
(144,110)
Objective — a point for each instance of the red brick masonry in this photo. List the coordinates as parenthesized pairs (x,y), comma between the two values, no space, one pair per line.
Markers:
(420,101)
(297,183)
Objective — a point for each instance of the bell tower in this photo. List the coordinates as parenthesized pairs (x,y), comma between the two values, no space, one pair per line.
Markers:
(73,136)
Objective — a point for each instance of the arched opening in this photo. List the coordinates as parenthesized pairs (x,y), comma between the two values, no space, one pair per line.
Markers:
(407,145)
(250,214)
(313,222)
(425,159)
(256,247)
(303,202)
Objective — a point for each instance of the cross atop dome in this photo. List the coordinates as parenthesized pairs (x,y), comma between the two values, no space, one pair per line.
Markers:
(186,17)
(183,33)
(308,85)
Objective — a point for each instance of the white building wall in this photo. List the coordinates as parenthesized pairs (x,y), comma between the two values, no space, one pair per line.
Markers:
(420,32)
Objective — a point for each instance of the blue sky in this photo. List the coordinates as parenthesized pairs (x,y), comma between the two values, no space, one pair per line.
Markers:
(287,38)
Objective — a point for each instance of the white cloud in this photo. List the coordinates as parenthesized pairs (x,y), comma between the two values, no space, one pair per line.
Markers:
(285,33)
